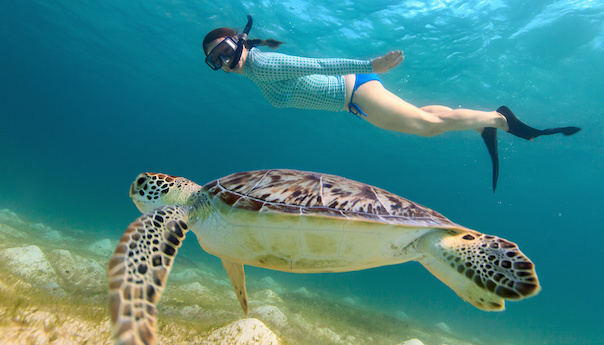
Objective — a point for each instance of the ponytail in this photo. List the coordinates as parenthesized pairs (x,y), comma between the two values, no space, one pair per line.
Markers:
(271,43)
(228,32)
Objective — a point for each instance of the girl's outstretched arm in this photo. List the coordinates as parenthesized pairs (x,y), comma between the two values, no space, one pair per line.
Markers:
(269,66)
(387,62)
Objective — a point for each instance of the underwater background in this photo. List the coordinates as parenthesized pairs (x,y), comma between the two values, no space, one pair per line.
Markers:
(94,92)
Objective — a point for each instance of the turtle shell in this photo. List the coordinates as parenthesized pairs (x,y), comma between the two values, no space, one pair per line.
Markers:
(320,195)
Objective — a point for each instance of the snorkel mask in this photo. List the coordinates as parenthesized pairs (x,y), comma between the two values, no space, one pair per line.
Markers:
(228,52)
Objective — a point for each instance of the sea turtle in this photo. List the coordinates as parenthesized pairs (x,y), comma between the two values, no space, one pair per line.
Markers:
(301,222)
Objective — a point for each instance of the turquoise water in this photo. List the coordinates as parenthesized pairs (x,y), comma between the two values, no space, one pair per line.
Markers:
(94,92)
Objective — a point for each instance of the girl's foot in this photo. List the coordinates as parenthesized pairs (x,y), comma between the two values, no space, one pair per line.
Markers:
(520,129)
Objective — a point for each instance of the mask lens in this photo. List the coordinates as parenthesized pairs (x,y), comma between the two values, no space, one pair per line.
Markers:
(221,54)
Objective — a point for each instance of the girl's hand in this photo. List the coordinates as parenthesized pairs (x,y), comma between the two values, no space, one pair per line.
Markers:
(387,62)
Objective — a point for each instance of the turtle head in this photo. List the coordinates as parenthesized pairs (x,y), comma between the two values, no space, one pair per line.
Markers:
(151,190)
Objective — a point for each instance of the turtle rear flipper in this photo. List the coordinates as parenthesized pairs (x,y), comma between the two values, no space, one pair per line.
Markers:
(138,272)
(237,275)
(483,270)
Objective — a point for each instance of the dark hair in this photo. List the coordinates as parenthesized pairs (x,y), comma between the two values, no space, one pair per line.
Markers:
(228,32)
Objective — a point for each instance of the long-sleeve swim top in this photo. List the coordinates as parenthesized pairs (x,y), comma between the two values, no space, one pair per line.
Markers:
(297,82)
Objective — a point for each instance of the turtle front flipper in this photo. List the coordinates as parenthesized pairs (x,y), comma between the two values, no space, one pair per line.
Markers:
(138,272)
(482,269)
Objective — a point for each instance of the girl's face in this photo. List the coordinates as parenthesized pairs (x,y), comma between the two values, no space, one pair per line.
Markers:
(239,67)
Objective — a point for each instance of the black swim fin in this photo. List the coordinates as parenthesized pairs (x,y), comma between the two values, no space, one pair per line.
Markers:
(520,129)
(489,135)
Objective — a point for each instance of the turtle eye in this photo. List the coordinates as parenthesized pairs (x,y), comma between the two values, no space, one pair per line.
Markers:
(141,180)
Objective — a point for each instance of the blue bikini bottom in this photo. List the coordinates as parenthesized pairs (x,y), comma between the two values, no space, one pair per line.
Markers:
(360,80)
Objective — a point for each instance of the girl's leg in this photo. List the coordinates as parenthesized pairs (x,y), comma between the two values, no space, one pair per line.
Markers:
(444,112)
(388,111)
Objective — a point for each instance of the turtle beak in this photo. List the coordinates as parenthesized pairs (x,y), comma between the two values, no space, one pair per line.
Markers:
(138,184)
(138,192)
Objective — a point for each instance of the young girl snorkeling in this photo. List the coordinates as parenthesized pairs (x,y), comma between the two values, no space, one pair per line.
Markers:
(352,85)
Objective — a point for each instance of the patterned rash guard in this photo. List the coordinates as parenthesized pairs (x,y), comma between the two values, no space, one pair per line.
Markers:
(296,82)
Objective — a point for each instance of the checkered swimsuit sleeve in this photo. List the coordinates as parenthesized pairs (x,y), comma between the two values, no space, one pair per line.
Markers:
(306,83)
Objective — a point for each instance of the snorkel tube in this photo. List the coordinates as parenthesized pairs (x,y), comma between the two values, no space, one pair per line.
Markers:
(241,42)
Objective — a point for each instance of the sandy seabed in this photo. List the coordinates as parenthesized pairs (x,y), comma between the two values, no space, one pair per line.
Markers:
(53,290)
